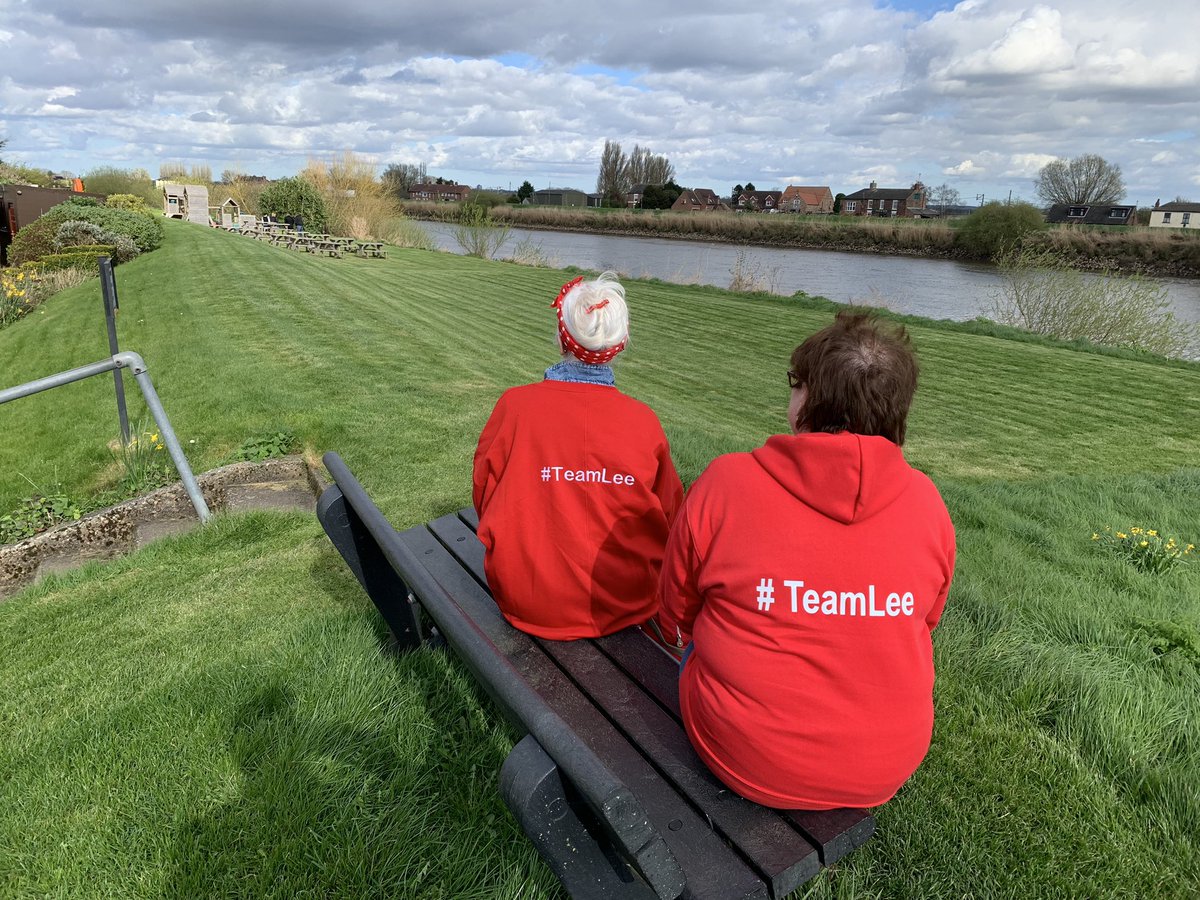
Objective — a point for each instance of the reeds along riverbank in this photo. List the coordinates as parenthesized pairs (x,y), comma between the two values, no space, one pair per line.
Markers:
(1158,252)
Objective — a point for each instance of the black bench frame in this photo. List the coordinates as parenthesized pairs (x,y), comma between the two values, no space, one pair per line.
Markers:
(605,782)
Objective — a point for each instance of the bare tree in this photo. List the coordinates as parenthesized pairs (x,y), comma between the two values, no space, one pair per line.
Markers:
(1085,179)
(943,195)
(611,181)
(399,177)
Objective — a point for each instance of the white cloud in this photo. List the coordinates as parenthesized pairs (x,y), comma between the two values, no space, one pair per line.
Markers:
(985,93)
(966,167)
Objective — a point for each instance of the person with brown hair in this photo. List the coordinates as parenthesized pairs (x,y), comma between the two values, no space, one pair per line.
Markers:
(805,578)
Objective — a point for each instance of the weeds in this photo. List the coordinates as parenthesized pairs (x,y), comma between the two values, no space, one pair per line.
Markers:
(265,446)
(749,277)
(477,233)
(38,513)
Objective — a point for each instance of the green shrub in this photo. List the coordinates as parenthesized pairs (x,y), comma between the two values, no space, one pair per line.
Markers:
(295,197)
(77,233)
(86,258)
(128,202)
(997,228)
(34,240)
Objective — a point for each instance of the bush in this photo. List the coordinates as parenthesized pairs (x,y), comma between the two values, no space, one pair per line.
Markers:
(128,202)
(85,258)
(998,228)
(1044,294)
(295,197)
(77,233)
(34,240)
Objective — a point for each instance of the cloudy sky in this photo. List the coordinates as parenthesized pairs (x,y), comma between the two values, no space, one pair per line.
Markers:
(979,95)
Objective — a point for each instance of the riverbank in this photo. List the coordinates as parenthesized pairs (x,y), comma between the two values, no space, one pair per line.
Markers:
(1161,253)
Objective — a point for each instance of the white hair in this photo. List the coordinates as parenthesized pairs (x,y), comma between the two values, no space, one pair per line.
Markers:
(595,312)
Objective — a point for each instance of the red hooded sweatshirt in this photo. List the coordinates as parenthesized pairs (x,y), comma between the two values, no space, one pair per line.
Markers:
(576,492)
(809,573)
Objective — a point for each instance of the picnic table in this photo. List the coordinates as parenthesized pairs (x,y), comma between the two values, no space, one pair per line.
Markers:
(371,248)
(604,782)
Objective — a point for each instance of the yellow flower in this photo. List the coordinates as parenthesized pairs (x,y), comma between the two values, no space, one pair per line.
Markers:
(1122,535)
(1135,531)
(1144,544)
(1095,537)
(154,437)
(159,447)
(1190,548)
(1152,533)
(20,276)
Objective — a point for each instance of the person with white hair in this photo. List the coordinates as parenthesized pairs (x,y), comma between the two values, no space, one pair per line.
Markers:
(574,483)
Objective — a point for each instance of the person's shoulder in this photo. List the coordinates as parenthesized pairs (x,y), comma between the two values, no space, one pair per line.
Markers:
(726,471)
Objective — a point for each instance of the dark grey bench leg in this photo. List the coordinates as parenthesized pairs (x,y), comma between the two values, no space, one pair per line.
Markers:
(531,786)
(364,558)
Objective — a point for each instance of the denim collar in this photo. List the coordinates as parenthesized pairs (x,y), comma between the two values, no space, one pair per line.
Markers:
(581,373)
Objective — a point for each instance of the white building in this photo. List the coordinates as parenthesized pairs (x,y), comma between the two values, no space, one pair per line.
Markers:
(1175,215)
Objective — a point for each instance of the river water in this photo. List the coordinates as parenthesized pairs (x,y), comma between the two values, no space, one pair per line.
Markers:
(937,288)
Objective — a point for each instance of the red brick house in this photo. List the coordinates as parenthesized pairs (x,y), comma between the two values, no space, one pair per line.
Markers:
(885,202)
(758,201)
(439,193)
(699,200)
(806,200)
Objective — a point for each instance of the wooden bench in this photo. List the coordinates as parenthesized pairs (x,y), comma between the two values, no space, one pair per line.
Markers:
(604,782)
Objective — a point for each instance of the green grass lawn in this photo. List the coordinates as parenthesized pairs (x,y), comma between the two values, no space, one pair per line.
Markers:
(215,715)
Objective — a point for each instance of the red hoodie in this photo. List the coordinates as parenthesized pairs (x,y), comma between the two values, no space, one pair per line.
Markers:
(575,491)
(809,573)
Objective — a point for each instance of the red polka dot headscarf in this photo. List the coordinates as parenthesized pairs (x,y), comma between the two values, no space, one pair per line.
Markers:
(567,340)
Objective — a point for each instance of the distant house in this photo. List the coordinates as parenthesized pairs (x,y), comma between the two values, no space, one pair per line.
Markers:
(633,199)
(886,202)
(757,201)
(806,200)
(1091,214)
(1177,214)
(699,200)
(439,193)
(560,197)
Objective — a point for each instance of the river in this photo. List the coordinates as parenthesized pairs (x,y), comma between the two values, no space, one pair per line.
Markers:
(936,288)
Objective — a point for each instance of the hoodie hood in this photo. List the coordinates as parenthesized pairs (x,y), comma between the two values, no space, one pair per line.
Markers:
(845,477)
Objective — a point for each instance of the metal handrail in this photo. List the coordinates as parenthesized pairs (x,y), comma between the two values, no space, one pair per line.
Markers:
(126,359)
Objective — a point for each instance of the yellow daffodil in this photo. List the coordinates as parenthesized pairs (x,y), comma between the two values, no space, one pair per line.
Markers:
(1122,535)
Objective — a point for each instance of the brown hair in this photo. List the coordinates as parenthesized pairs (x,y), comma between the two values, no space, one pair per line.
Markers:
(860,375)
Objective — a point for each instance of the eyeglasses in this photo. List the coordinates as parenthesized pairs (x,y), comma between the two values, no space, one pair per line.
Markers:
(793,380)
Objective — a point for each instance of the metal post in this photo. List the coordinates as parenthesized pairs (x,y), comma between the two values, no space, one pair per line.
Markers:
(108,287)
(137,366)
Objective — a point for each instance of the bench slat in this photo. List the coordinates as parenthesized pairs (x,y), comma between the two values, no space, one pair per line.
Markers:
(691,841)
(773,847)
